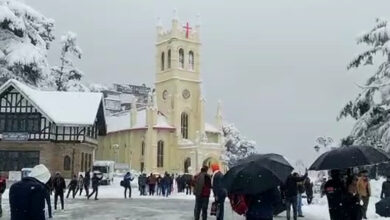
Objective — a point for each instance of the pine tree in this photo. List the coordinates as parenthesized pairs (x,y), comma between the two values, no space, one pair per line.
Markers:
(236,146)
(25,36)
(370,108)
(67,76)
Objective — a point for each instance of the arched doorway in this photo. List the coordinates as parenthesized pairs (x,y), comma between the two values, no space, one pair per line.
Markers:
(187,164)
(208,161)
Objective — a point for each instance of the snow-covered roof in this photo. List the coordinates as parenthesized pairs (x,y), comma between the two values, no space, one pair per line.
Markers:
(211,128)
(121,121)
(62,108)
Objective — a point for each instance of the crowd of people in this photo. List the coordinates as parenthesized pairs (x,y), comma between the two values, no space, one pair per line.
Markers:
(155,184)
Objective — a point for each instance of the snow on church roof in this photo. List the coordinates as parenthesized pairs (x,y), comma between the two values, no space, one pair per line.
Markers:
(121,121)
(62,108)
(211,128)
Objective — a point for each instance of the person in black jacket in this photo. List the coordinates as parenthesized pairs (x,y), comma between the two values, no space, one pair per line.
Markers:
(291,193)
(385,193)
(87,181)
(334,189)
(59,187)
(72,187)
(95,185)
(27,197)
(309,190)
(127,181)
(218,190)
(261,206)
(2,189)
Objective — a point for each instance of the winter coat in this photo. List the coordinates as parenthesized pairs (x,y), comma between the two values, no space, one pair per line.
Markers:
(59,184)
(96,181)
(87,179)
(27,199)
(2,185)
(127,179)
(335,192)
(73,184)
(218,189)
(260,206)
(308,187)
(291,186)
(352,207)
(166,180)
(142,180)
(385,193)
(152,180)
(364,188)
(202,186)
(80,182)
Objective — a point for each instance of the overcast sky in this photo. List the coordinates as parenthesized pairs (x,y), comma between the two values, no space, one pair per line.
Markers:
(278,66)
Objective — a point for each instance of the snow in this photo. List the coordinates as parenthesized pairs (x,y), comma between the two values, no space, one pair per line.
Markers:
(211,128)
(63,108)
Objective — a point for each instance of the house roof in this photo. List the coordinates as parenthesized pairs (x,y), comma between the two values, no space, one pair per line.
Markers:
(62,108)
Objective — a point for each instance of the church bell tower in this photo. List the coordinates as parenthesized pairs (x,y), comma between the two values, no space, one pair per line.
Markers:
(178,89)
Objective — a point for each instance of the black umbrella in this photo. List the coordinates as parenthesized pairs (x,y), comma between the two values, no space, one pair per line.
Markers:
(257,173)
(382,207)
(349,156)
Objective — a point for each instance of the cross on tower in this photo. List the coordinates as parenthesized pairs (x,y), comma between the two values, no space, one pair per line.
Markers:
(188,28)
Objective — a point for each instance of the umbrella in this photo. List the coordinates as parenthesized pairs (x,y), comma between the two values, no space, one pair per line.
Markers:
(382,207)
(349,156)
(257,173)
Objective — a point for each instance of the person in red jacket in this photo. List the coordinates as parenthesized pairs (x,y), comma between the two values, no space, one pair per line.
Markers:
(202,190)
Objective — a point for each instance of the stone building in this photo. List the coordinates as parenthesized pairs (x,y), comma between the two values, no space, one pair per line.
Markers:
(58,129)
(170,133)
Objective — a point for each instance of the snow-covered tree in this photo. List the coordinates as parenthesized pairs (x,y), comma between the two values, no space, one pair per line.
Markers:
(236,146)
(371,106)
(67,76)
(25,36)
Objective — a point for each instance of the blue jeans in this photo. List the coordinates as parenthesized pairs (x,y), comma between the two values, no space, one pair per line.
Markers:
(299,205)
(291,201)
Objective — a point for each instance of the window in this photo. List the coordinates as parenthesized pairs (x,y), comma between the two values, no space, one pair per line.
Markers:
(143,148)
(16,160)
(160,154)
(184,125)
(66,163)
(20,122)
(191,60)
(187,164)
(162,61)
(169,58)
(181,58)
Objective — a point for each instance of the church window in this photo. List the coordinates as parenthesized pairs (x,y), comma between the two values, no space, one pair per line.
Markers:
(191,60)
(169,58)
(162,61)
(181,58)
(184,125)
(66,162)
(143,148)
(160,154)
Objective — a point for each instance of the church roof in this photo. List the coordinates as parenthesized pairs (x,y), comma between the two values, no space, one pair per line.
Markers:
(62,108)
(121,121)
(211,128)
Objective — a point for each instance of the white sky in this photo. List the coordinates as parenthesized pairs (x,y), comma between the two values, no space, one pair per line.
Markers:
(278,66)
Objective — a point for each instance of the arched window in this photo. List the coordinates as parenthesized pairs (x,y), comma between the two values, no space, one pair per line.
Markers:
(184,125)
(181,58)
(66,162)
(143,148)
(187,164)
(162,61)
(191,60)
(160,154)
(169,58)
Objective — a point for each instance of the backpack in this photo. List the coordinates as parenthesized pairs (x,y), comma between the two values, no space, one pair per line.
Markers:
(238,203)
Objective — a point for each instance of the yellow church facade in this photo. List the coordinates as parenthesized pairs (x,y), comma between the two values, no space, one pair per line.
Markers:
(170,132)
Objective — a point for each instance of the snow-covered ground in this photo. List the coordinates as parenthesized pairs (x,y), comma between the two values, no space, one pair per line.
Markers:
(111,205)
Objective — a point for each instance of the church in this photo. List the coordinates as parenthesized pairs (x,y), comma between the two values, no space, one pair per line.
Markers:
(169,133)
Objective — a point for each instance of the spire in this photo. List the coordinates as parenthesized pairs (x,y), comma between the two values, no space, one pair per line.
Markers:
(175,21)
(175,16)
(133,112)
(218,117)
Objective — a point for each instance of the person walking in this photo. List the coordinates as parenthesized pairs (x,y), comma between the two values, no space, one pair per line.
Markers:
(80,185)
(261,206)
(159,185)
(87,182)
(59,187)
(27,197)
(152,184)
(353,209)
(142,184)
(291,193)
(364,190)
(3,186)
(127,183)
(202,190)
(95,185)
(301,190)
(218,190)
(309,190)
(385,192)
(49,189)
(72,187)
(334,190)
